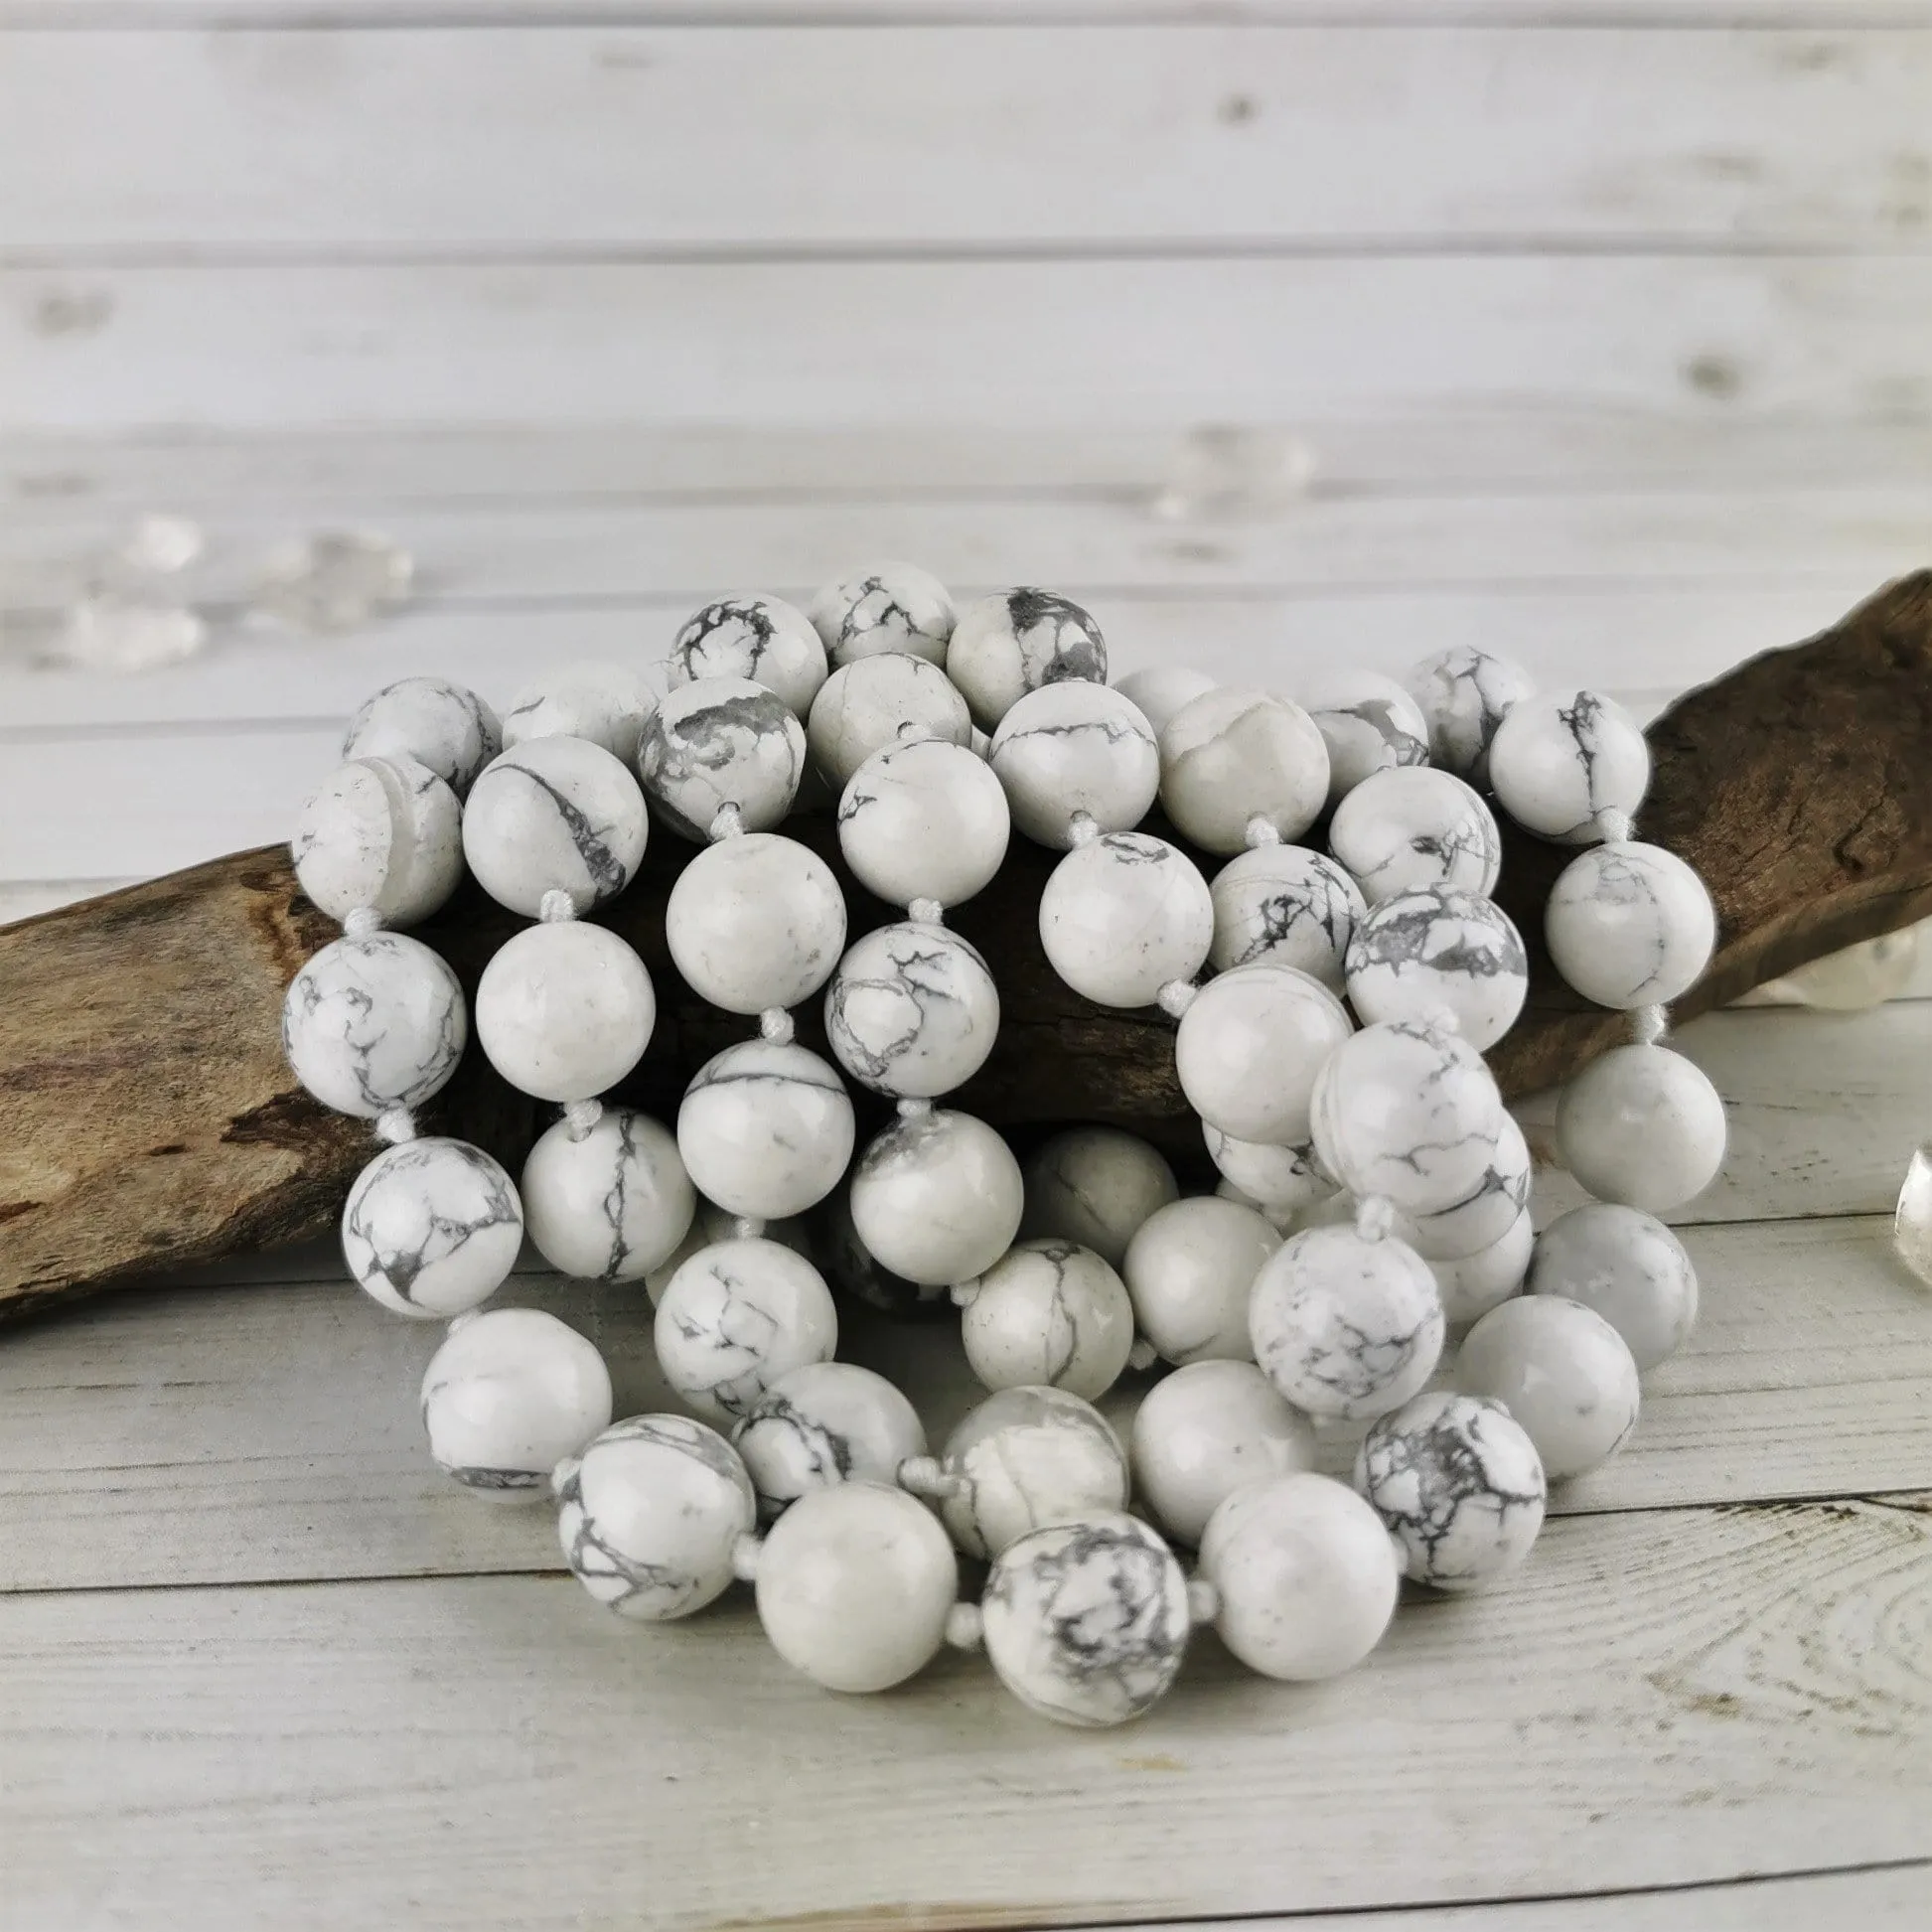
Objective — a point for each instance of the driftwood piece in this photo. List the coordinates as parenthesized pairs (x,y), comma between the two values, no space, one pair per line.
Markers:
(147,1119)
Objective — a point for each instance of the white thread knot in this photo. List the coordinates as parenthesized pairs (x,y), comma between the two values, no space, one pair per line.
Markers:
(744,1558)
(914,1108)
(581,1116)
(1203,1600)
(1375,1218)
(1176,997)
(927,1477)
(1649,1024)
(747,1227)
(775,1024)
(395,1125)
(965,1629)
(1261,829)
(926,912)
(556,906)
(727,823)
(361,921)
(1082,829)
(1614,827)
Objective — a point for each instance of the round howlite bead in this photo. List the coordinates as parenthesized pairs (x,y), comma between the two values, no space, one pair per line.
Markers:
(508,1397)
(1486,1212)
(735,1317)
(877,702)
(612,1204)
(1477,1283)
(565,1010)
(765,1129)
(1160,690)
(1250,1048)
(651,1513)
(1306,1576)
(1464,695)
(1642,1126)
(710,1225)
(826,1422)
(717,742)
(1439,949)
(884,608)
(1233,756)
(1086,1622)
(554,815)
(852,1270)
(1459,1486)
(1207,1431)
(372,1023)
(1287,905)
(1402,830)
(1049,1315)
(938,1198)
(1279,1180)
(1629,925)
(1190,1269)
(431,1228)
(1369,724)
(1346,1328)
(1019,641)
(1068,750)
(1563,1374)
(911,1010)
(438,723)
(1629,1268)
(763,640)
(1122,916)
(1562,757)
(602,702)
(1096,1186)
(755,922)
(924,819)
(854,1586)
(1411,1113)
(1025,1458)
(382,832)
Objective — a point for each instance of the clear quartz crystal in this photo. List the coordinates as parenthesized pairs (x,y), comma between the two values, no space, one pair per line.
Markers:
(108,632)
(1912,1228)
(1222,472)
(1861,976)
(334,580)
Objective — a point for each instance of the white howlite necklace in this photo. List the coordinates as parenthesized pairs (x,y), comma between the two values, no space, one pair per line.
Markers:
(1374,1193)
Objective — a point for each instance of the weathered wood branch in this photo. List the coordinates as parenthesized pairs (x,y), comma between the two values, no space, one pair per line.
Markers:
(147,1119)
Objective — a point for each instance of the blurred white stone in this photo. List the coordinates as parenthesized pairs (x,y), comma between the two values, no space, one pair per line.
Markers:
(334,580)
(1225,473)
(1861,976)
(111,633)
(162,545)
(1912,1228)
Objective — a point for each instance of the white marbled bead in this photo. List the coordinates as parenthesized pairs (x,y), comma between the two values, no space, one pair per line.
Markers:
(1279,1180)
(611,1204)
(1629,1268)
(1475,1284)
(555,814)
(1073,750)
(1233,756)
(875,702)
(1464,695)
(761,638)
(854,1586)
(911,1010)
(1565,1376)
(381,832)
(925,819)
(1161,689)
(1018,640)
(1305,1573)
(1458,1484)
(651,1514)
(881,608)
(717,742)
(1408,1112)
(1189,1271)
(1288,905)
(1086,1622)
(712,1224)
(1368,722)
(1251,1046)
(938,1198)
(755,922)
(1049,1315)
(1096,1186)
(1123,916)
(438,723)
(1487,1209)
(565,1010)
(825,1422)
(1025,1458)
(1562,757)
(853,1270)
(765,1129)
(507,1396)
(1207,1431)
(735,1317)
(1346,1328)
(1642,1126)
(372,1023)
(431,1228)
(1440,950)
(605,703)
(1629,925)
(1401,831)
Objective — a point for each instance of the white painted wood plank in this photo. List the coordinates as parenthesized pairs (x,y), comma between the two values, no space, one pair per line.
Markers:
(1691,1696)
(1038,342)
(534,140)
